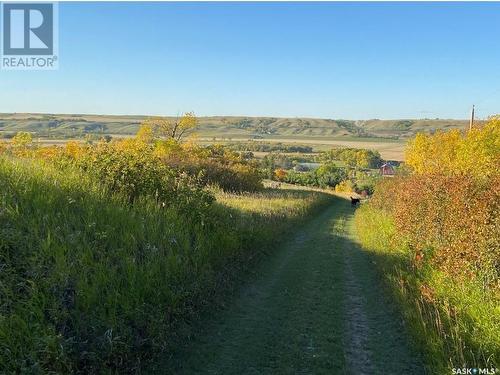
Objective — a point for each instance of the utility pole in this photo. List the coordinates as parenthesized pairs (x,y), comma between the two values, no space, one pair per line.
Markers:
(471,124)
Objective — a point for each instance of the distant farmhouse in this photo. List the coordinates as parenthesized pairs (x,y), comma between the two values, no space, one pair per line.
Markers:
(387,170)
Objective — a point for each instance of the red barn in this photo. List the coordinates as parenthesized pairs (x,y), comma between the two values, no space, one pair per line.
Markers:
(387,170)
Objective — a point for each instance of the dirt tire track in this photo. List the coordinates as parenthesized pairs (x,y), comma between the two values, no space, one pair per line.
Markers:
(313,307)
(357,325)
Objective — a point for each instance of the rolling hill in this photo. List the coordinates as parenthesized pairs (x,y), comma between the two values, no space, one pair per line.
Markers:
(76,125)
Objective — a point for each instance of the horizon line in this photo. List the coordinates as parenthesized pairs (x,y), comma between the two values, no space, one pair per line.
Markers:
(236,116)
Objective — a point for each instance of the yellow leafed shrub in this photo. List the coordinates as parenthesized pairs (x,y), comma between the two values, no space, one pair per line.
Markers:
(475,152)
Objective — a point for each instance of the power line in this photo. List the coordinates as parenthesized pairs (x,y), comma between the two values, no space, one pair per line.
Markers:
(471,124)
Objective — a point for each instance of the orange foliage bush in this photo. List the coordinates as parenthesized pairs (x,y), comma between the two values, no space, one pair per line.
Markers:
(49,153)
(447,211)
(441,220)
(280,174)
(450,221)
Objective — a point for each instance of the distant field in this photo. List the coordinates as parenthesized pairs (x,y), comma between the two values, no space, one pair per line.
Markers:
(389,149)
(386,136)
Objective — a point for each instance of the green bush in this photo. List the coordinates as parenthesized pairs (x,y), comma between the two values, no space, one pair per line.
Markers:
(326,176)
(213,165)
(353,157)
(231,178)
(92,282)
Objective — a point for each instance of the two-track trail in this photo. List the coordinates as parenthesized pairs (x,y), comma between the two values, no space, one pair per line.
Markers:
(315,306)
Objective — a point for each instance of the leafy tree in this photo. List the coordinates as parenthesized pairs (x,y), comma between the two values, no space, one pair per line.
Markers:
(145,134)
(367,159)
(173,129)
(455,152)
(354,157)
(22,139)
(329,175)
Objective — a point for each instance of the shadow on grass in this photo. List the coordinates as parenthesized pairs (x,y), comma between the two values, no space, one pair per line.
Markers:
(295,313)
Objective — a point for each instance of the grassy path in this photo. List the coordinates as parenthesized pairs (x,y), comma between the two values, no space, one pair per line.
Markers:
(315,306)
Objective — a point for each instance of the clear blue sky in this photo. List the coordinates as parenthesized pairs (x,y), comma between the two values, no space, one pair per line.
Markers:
(331,60)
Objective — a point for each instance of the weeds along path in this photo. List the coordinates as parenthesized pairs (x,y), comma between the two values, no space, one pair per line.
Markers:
(314,306)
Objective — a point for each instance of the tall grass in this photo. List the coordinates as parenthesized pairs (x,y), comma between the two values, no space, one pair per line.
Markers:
(273,202)
(91,282)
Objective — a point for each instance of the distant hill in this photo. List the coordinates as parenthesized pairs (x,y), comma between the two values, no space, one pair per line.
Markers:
(75,126)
